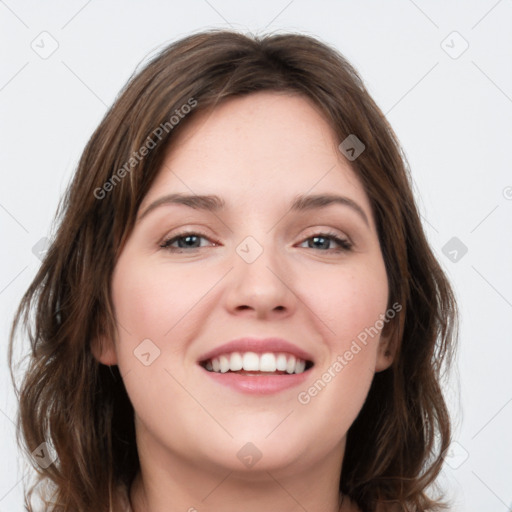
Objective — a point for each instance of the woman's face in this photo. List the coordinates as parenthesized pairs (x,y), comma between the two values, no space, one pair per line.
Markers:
(265,264)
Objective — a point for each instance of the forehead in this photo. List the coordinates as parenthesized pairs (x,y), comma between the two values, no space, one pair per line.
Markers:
(264,145)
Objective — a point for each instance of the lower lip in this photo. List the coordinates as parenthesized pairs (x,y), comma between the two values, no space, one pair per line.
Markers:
(258,384)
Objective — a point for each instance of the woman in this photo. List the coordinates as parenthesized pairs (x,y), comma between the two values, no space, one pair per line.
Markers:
(239,308)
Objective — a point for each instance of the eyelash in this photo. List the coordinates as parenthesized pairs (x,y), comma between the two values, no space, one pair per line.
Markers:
(344,244)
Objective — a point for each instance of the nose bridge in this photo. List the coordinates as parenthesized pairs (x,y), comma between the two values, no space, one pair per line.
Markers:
(259,276)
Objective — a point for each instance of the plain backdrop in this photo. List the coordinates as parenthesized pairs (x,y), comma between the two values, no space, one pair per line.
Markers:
(440,71)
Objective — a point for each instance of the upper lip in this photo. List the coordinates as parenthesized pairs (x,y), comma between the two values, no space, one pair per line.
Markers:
(259,346)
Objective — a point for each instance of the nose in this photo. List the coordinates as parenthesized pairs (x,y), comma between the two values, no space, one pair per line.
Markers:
(261,289)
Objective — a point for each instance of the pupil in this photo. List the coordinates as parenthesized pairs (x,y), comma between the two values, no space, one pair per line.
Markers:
(188,241)
(325,243)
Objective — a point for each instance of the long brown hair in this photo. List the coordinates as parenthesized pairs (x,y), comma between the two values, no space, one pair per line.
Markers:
(80,407)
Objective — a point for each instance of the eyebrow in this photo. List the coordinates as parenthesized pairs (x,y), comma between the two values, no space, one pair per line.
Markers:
(213,203)
(209,203)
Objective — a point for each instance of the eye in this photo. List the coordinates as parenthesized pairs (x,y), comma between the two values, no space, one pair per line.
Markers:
(193,240)
(323,241)
(183,241)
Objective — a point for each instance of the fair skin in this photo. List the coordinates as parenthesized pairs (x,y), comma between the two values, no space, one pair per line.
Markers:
(257,153)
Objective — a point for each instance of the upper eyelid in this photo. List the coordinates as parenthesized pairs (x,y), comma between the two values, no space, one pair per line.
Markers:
(181,234)
(317,231)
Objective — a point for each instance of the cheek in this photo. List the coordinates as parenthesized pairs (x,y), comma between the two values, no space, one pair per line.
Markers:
(151,304)
(349,301)
(150,300)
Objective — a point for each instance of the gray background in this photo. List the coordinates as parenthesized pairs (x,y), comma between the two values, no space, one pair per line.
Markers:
(451,107)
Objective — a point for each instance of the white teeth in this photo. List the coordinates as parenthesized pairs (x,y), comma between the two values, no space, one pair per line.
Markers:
(224,364)
(268,362)
(290,367)
(252,362)
(281,362)
(300,366)
(236,363)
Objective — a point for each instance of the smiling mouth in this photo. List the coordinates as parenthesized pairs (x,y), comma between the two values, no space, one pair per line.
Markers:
(254,364)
